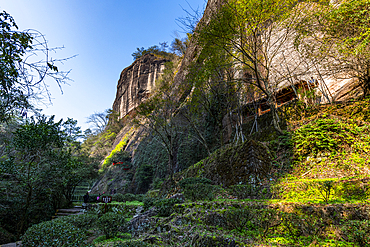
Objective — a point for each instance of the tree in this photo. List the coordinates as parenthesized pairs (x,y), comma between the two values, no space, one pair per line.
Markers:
(33,150)
(42,166)
(22,75)
(213,95)
(336,37)
(255,34)
(152,50)
(99,120)
(179,45)
(158,114)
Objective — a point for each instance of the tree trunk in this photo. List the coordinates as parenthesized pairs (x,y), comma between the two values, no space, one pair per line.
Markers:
(275,117)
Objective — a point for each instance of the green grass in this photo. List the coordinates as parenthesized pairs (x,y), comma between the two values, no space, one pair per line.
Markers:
(132,203)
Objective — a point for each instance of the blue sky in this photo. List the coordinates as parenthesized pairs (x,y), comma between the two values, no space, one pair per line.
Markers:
(104,34)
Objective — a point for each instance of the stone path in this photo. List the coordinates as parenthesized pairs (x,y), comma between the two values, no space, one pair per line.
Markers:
(17,244)
(67,211)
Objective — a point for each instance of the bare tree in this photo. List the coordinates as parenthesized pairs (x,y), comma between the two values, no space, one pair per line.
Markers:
(99,120)
(25,65)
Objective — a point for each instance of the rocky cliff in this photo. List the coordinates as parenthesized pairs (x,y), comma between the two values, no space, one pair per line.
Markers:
(136,82)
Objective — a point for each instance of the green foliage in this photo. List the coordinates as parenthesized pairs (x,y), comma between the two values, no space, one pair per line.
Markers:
(13,45)
(150,151)
(324,135)
(25,63)
(201,191)
(45,165)
(240,218)
(83,221)
(353,190)
(93,198)
(54,233)
(193,180)
(357,231)
(110,223)
(356,14)
(118,153)
(128,197)
(155,50)
(144,177)
(165,206)
(149,202)
(198,189)
(339,31)
(241,191)
(326,189)
(157,183)
(133,243)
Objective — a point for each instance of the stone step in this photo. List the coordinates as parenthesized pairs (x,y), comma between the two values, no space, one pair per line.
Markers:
(69,210)
(16,244)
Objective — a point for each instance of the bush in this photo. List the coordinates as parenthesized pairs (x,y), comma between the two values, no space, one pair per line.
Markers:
(353,190)
(157,183)
(93,198)
(165,206)
(83,221)
(357,231)
(241,191)
(149,202)
(198,189)
(201,191)
(186,181)
(128,197)
(118,197)
(54,233)
(152,193)
(140,197)
(110,223)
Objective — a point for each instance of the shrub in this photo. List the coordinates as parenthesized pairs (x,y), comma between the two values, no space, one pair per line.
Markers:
(240,218)
(197,189)
(152,193)
(241,191)
(54,233)
(201,191)
(118,197)
(157,183)
(357,231)
(326,189)
(93,198)
(149,202)
(128,197)
(110,223)
(186,181)
(353,190)
(140,197)
(165,206)
(323,135)
(83,221)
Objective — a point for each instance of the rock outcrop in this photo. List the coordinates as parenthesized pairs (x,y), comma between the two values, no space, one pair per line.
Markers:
(136,82)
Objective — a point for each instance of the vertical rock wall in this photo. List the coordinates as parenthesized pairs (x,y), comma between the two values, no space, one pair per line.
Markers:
(136,82)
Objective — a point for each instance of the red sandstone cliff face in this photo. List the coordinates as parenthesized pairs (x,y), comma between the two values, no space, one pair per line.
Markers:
(136,82)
